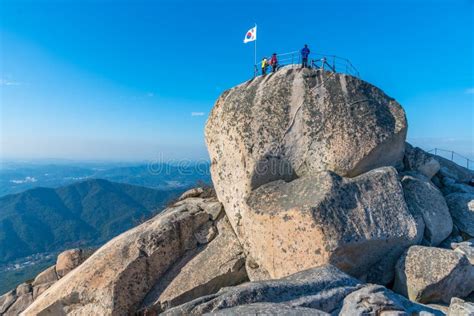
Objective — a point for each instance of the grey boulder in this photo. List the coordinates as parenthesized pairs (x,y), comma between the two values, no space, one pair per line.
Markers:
(461,206)
(322,289)
(259,309)
(459,307)
(360,225)
(427,204)
(433,275)
(416,159)
(466,248)
(378,300)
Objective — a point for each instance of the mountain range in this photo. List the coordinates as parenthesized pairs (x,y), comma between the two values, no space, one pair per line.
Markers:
(16,177)
(84,213)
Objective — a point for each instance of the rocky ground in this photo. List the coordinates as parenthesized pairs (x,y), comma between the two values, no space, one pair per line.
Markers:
(321,208)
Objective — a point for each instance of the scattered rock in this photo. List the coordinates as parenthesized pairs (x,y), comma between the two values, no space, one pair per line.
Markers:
(455,187)
(426,201)
(350,223)
(214,209)
(459,307)
(452,170)
(47,276)
(259,309)
(255,271)
(432,275)
(461,206)
(321,288)
(206,233)
(21,303)
(221,263)
(377,300)
(318,290)
(23,288)
(40,288)
(70,259)
(123,271)
(466,248)
(192,193)
(416,159)
(17,301)
(455,237)
(6,300)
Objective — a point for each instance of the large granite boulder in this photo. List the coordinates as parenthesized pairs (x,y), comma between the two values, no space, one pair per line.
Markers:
(427,204)
(378,300)
(118,276)
(433,275)
(353,223)
(418,160)
(16,301)
(459,307)
(454,171)
(466,248)
(259,309)
(7,300)
(321,288)
(201,272)
(295,123)
(70,259)
(315,291)
(461,206)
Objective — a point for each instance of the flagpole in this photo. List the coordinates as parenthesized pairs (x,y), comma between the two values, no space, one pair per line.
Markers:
(255,71)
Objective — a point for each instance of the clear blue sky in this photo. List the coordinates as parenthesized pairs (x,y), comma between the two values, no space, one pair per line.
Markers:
(121,79)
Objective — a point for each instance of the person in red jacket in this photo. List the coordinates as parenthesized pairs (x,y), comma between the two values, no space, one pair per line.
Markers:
(274,62)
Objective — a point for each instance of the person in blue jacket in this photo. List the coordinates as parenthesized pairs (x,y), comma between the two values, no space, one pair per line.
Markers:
(304,56)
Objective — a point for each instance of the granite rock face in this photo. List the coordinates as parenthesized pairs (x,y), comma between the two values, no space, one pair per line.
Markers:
(16,301)
(428,205)
(459,307)
(295,123)
(201,272)
(315,291)
(461,206)
(314,220)
(259,309)
(433,275)
(466,248)
(418,160)
(70,259)
(320,288)
(119,275)
(377,300)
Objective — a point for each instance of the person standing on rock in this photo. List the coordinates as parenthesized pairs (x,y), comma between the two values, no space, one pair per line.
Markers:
(264,66)
(304,56)
(274,62)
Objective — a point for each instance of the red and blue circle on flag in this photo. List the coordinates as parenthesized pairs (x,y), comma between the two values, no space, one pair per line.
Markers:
(249,35)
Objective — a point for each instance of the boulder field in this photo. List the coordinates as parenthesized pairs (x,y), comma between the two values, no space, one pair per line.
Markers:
(320,208)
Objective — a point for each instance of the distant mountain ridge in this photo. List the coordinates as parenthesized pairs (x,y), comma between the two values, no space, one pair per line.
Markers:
(84,213)
(21,176)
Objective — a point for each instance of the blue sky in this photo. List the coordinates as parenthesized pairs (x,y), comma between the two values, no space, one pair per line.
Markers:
(135,80)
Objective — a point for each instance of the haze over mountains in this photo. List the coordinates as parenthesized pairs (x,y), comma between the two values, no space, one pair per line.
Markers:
(16,177)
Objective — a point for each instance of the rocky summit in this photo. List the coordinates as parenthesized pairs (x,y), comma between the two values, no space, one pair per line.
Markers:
(319,207)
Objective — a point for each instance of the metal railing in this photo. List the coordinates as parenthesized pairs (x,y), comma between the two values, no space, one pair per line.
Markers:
(318,61)
(454,157)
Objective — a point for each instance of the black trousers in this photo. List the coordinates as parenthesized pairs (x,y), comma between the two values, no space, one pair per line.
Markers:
(304,62)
